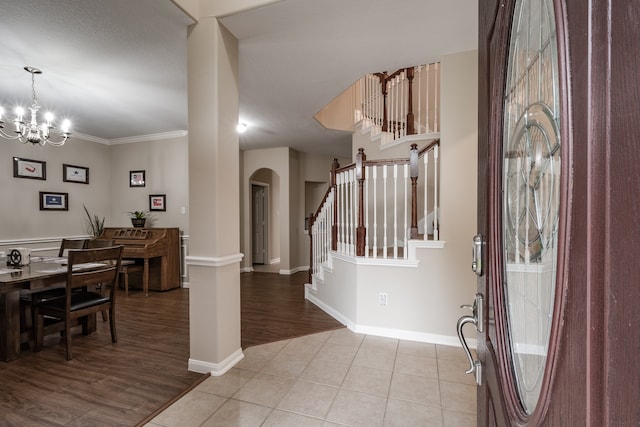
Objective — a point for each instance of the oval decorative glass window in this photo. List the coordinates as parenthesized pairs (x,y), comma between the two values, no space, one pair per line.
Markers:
(531,192)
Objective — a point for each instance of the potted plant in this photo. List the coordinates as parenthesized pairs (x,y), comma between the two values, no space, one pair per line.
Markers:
(138,218)
(96,224)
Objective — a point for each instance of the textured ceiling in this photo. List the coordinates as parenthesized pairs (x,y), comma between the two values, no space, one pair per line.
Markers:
(117,68)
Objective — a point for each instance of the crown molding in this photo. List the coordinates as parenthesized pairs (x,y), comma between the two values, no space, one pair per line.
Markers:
(131,139)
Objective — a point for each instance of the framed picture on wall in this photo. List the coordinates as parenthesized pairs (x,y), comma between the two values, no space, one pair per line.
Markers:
(136,179)
(71,173)
(157,202)
(27,168)
(50,201)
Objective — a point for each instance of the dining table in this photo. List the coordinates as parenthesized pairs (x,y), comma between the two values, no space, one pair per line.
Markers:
(40,274)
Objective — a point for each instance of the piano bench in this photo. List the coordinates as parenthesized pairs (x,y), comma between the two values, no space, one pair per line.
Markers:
(124,274)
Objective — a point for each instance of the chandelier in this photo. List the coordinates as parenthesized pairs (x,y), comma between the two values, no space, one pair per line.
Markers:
(32,131)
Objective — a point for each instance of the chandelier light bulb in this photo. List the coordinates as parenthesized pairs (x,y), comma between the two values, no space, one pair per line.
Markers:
(241,128)
(32,131)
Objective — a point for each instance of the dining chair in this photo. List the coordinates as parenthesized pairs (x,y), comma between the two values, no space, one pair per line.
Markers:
(67,244)
(85,269)
(100,243)
(126,267)
(28,299)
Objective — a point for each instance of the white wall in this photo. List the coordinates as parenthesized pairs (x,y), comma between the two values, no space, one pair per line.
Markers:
(107,195)
(21,217)
(166,167)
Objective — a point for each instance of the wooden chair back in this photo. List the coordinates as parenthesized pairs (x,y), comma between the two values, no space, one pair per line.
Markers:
(67,244)
(86,269)
(98,243)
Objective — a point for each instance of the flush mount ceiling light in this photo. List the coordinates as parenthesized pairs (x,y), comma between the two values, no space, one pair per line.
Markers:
(33,132)
(241,128)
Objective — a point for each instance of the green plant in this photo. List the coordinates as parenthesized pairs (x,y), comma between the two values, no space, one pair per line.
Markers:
(96,224)
(138,214)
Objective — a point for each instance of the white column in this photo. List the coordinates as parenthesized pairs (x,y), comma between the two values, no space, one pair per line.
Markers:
(214,224)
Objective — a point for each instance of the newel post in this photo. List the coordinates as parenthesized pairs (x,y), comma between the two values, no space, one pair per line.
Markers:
(361,231)
(413,168)
(383,86)
(410,124)
(334,226)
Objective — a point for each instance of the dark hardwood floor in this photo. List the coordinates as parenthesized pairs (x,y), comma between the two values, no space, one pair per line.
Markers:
(273,308)
(121,384)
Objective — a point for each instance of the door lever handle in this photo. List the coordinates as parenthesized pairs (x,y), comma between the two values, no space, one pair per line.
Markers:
(461,322)
(475,366)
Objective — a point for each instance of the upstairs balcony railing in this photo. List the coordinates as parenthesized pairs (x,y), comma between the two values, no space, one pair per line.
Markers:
(401,104)
(372,208)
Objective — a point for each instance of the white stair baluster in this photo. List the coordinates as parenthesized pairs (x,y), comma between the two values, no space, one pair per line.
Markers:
(384,204)
(366,211)
(426,195)
(436,233)
(375,211)
(354,219)
(395,211)
(406,224)
(435,101)
(428,124)
(342,205)
(403,105)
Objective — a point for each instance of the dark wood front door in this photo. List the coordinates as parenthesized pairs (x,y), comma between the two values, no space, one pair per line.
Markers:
(559,213)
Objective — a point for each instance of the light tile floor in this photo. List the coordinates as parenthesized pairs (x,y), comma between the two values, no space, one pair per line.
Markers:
(334,378)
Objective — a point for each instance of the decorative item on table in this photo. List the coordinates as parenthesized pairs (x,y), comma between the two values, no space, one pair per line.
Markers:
(18,256)
(32,131)
(138,218)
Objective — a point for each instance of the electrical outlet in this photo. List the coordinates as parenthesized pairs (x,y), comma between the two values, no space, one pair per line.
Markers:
(382,299)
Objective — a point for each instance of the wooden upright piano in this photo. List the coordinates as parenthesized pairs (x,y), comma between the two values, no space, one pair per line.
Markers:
(158,249)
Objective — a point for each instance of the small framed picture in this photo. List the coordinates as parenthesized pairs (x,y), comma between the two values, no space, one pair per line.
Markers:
(71,173)
(157,202)
(50,201)
(27,168)
(136,179)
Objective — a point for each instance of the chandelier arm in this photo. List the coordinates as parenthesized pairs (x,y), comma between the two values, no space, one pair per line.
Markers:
(57,143)
(6,135)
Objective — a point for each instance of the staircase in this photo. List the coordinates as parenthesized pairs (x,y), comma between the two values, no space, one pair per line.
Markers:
(371,208)
(378,260)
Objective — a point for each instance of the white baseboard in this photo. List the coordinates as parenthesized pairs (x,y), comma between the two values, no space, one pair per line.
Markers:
(450,340)
(246,270)
(216,369)
(329,310)
(295,270)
